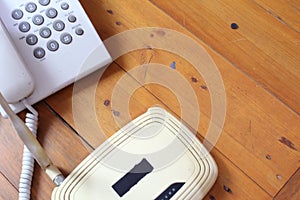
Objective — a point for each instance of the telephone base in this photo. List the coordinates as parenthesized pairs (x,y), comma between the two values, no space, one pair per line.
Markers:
(57,42)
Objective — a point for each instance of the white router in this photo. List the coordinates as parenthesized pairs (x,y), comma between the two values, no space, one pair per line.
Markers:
(153,157)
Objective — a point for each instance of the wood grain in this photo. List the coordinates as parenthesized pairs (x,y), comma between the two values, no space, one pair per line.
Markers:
(291,190)
(62,145)
(287,12)
(263,47)
(255,119)
(258,151)
(10,160)
(140,101)
(7,190)
(225,188)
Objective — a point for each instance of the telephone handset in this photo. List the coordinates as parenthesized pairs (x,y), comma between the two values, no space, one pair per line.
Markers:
(45,45)
(16,82)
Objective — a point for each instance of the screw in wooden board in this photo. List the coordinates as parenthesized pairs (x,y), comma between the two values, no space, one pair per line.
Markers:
(279,177)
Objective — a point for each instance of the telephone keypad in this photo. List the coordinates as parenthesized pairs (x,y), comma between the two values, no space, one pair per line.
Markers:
(47,24)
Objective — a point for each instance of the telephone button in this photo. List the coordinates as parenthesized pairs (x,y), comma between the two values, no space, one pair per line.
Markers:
(24,27)
(79,31)
(66,38)
(65,6)
(59,25)
(72,18)
(31,7)
(39,53)
(44,2)
(31,39)
(17,14)
(38,20)
(45,32)
(52,45)
(51,13)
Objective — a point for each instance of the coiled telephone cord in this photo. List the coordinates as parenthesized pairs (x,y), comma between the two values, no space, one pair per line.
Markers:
(31,122)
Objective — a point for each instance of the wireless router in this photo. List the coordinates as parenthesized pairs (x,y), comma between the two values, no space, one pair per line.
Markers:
(153,157)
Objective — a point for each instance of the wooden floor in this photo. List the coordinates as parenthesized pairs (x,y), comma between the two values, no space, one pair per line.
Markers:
(258,152)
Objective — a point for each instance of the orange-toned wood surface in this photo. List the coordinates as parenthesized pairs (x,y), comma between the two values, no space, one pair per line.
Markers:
(258,151)
(291,189)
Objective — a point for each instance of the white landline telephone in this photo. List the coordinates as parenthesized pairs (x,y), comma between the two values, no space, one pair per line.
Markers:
(47,44)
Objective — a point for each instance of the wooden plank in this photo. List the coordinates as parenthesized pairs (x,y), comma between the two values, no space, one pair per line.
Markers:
(7,190)
(263,47)
(63,146)
(10,160)
(244,128)
(235,146)
(291,190)
(248,104)
(233,184)
(287,12)
(229,174)
(255,120)
(57,139)
(105,118)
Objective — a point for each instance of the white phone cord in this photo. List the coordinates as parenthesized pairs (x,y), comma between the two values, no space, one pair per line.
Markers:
(31,122)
